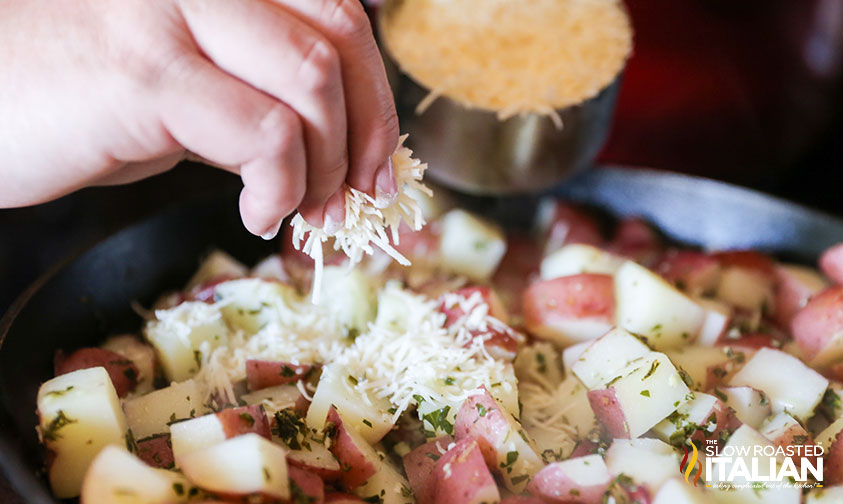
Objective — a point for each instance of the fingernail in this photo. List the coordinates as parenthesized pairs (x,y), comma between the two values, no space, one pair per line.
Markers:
(272,233)
(386,192)
(334,216)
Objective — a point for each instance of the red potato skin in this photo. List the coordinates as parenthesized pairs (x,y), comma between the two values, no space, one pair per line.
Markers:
(608,411)
(788,438)
(790,297)
(419,465)
(748,259)
(553,486)
(833,465)
(348,453)
(585,296)
(310,485)
(489,296)
(570,225)
(636,240)
(749,341)
(488,430)
(325,473)
(724,420)
(831,262)
(342,498)
(261,374)
(462,477)
(422,244)
(156,451)
(122,371)
(244,420)
(583,448)
(689,270)
(819,322)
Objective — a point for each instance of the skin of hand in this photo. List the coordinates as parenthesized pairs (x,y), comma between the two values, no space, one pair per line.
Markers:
(289,94)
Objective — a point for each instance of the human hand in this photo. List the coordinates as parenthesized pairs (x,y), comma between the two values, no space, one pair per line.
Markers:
(289,94)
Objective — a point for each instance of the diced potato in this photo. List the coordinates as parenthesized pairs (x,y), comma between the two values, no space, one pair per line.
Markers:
(649,306)
(350,296)
(702,418)
(249,304)
(578,258)
(507,448)
(639,397)
(570,309)
(178,335)
(718,317)
(791,385)
(393,308)
(581,479)
(79,413)
(784,430)
(693,272)
(196,434)
(471,246)
(275,398)
(270,268)
(709,366)
(462,477)
(118,477)
(795,285)
(606,356)
(217,265)
(152,413)
(241,467)
(141,355)
(648,462)
(676,491)
(336,388)
(419,465)
(818,328)
(746,288)
(750,405)
(387,484)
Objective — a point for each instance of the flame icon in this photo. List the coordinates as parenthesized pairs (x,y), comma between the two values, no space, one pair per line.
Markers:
(691,464)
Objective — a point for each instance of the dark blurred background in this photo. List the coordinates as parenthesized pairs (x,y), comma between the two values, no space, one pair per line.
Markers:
(748,92)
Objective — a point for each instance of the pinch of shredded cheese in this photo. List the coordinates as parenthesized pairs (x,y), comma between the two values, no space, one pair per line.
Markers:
(509,56)
(365,224)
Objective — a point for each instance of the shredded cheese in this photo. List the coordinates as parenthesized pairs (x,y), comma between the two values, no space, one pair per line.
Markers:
(509,56)
(365,224)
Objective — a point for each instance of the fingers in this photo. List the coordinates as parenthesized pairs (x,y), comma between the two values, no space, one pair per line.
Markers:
(226,121)
(277,53)
(372,121)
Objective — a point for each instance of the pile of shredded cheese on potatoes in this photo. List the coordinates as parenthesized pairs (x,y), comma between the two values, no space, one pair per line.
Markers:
(509,56)
(365,224)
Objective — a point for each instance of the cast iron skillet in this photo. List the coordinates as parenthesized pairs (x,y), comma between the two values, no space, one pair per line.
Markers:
(88,297)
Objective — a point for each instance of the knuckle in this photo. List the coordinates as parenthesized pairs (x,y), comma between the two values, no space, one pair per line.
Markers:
(281,132)
(347,17)
(320,67)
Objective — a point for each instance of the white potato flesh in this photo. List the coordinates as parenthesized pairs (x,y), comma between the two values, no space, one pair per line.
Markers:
(218,264)
(393,308)
(151,413)
(273,399)
(648,462)
(645,393)
(716,321)
(745,288)
(471,246)
(118,477)
(179,333)
(350,296)
(606,356)
(270,268)
(792,495)
(699,361)
(695,412)
(790,384)
(243,465)
(141,355)
(580,479)
(750,405)
(336,389)
(572,353)
(675,491)
(388,484)
(195,434)
(578,258)
(249,304)
(79,413)
(649,306)
(774,427)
